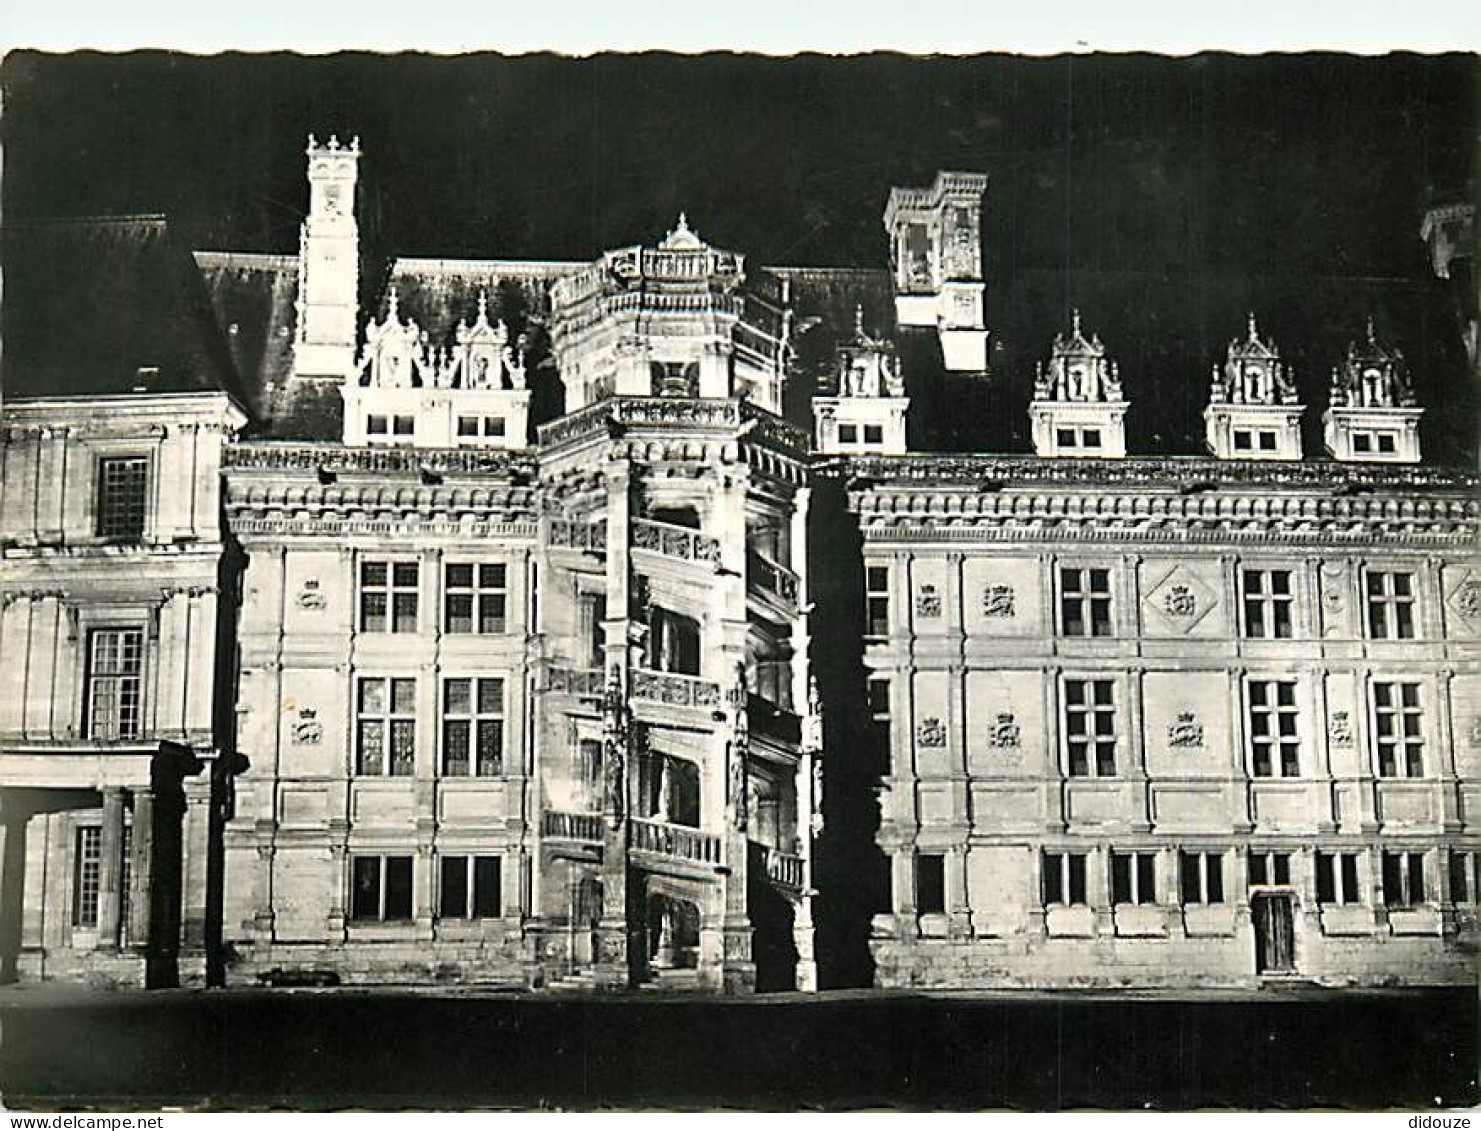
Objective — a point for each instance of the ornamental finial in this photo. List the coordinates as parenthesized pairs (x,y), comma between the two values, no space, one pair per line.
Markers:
(1075,320)
(1254,330)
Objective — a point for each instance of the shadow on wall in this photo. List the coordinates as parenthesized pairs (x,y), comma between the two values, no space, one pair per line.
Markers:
(851,873)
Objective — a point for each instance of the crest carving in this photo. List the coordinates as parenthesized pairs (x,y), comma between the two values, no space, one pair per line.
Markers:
(1180,601)
(928,602)
(931,732)
(1004,734)
(308,730)
(1186,732)
(1340,729)
(998,601)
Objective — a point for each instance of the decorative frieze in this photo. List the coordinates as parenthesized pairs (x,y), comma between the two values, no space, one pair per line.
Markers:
(338,459)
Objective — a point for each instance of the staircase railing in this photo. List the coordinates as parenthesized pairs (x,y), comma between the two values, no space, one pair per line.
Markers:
(674,840)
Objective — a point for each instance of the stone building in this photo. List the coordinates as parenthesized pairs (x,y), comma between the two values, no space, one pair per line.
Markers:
(496,621)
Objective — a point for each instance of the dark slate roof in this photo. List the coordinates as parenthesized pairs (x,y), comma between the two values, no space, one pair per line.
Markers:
(90,302)
(252,298)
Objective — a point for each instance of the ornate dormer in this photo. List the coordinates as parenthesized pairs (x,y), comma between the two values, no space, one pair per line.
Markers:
(404,391)
(1371,414)
(1078,407)
(936,251)
(328,264)
(866,412)
(1253,411)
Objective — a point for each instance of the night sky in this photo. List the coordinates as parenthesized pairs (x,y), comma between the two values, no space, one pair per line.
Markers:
(1163,195)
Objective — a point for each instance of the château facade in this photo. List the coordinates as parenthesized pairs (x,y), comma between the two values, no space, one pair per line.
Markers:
(570,624)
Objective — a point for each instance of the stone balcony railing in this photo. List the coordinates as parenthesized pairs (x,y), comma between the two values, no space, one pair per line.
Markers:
(674,840)
(585,682)
(559,825)
(775,579)
(674,690)
(577,535)
(724,414)
(780,867)
(674,541)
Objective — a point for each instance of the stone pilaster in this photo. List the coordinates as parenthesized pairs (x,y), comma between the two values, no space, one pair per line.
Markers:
(110,874)
(141,886)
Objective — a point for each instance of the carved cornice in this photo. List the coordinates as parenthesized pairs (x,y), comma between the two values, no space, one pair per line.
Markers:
(338,459)
(1168,473)
(286,526)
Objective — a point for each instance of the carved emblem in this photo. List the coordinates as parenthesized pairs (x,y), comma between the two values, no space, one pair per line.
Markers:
(1180,601)
(613,948)
(1468,598)
(309,596)
(1004,733)
(1474,737)
(997,601)
(1340,729)
(928,602)
(1186,732)
(308,730)
(930,732)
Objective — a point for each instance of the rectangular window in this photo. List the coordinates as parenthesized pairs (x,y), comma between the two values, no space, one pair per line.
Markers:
(115,671)
(1242,441)
(87,876)
(877,600)
(873,434)
(403,425)
(123,491)
(1465,872)
(1085,602)
(1268,601)
(930,884)
(386,727)
(1064,437)
(879,711)
(1403,879)
(493,426)
(475,598)
(1267,441)
(467,426)
(470,887)
(1390,605)
(1362,442)
(388,596)
(1386,443)
(1275,744)
(376,425)
(1090,438)
(1088,723)
(848,433)
(1133,877)
(1398,729)
(381,888)
(1270,869)
(1064,878)
(1201,877)
(1337,878)
(472,727)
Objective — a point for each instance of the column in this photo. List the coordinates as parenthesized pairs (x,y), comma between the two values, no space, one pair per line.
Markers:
(110,903)
(1141,804)
(195,848)
(615,952)
(140,875)
(1444,729)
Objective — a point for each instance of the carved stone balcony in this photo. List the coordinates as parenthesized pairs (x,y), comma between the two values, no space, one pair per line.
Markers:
(674,541)
(674,690)
(710,413)
(664,839)
(782,868)
(589,536)
(584,828)
(584,682)
(768,576)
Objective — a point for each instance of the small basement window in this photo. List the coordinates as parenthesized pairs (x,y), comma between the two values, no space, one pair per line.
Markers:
(930,884)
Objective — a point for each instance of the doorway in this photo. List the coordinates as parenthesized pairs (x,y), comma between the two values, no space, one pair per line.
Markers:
(1274,917)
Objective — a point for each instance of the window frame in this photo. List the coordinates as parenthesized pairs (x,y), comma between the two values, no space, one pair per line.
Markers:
(473,720)
(1272,742)
(473,909)
(129,535)
(388,591)
(1207,876)
(1407,752)
(1273,861)
(479,595)
(1140,877)
(1400,611)
(1090,601)
(87,861)
(937,860)
(1338,878)
(388,716)
(135,679)
(1273,606)
(1407,866)
(1092,709)
(1070,869)
(877,598)
(382,913)
(1465,864)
